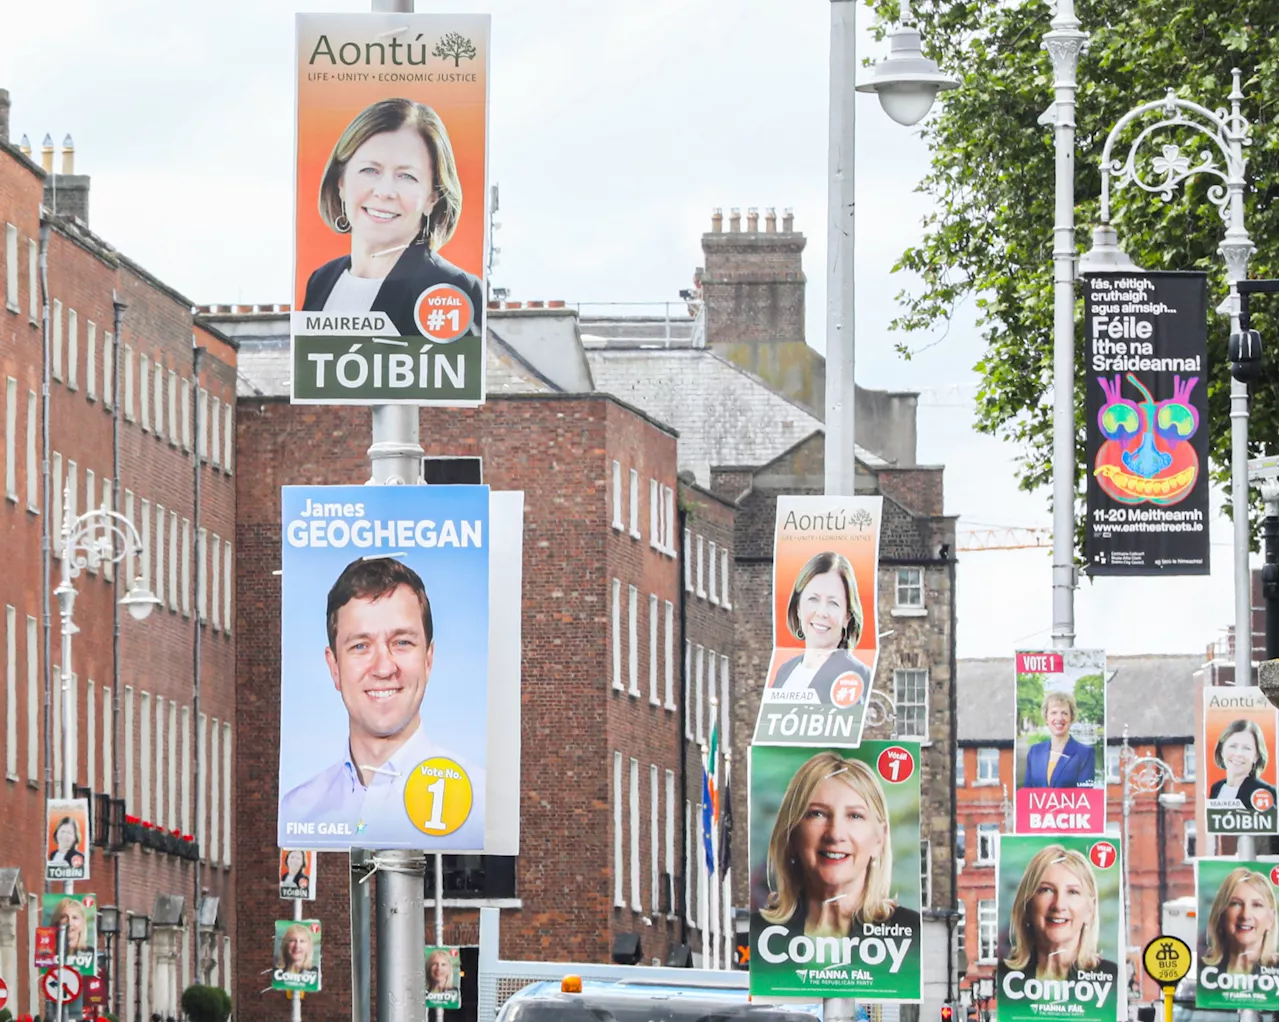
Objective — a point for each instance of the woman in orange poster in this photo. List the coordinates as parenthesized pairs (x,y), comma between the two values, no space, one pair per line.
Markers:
(826,613)
(391,183)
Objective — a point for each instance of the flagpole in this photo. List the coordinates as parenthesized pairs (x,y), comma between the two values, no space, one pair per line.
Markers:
(726,812)
(713,770)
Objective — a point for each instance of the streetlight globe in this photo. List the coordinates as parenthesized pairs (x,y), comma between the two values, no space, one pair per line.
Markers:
(1106,254)
(139,600)
(907,81)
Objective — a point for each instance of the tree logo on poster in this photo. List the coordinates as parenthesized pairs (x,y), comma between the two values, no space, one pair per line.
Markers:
(455,46)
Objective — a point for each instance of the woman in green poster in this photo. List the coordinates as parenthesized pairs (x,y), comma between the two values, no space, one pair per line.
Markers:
(1241,934)
(1053,926)
(830,860)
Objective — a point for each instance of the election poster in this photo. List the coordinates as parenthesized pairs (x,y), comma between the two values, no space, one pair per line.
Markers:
(1058,928)
(78,913)
(297,874)
(835,872)
(384,661)
(66,839)
(1239,787)
(1147,424)
(296,955)
(444,978)
(825,636)
(1236,953)
(1060,742)
(391,204)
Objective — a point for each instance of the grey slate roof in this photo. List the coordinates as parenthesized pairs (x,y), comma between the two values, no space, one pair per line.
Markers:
(724,415)
(1154,695)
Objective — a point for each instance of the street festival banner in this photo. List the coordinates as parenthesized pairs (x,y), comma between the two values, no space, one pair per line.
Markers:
(384,660)
(1058,750)
(1058,937)
(835,872)
(390,215)
(79,914)
(1239,747)
(825,554)
(444,978)
(66,839)
(297,874)
(295,958)
(1146,414)
(1236,935)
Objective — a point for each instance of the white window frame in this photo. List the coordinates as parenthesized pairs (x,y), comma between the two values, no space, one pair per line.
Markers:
(11,267)
(144,757)
(173,408)
(987,931)
(108,739)
(33,464)
(961,849)
(157,399)
(668,681)
(73,349)
(670,538)
(961,924)
(215,431)
(202,800)
(55,505)
(655,523)
(55,367)
(653,650)
(1189,761)
(11,439)
(726,704)
(633,843)
(724,579)
(926,873)
(689,859)
(902,677)
(633,511)
(202,424)
(1111,764)
(202,575)
(33,699)
(713,589)
(130,798)
(186,414)
(985,847)
(33,290)
(616,630)
(144,392)
(228,435)
(908,592)
(130,556)
(988,766)
(1189,840)
(713,697)
(227,793)
(158,586)
(11,692)
(108,503)
(616,480)
(618,901)
(669,851)
(653,838)
(108,370)
(699,660)
(91,360)
(186,770)
(129,406)
(161,802)
(228,572)
(174,537)
(215,582)
(186,567)
(688,561)
(701,589)
(633,643)
(959,772)
(215,791)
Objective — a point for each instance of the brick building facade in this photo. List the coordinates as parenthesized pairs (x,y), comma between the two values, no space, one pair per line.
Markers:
(141,747)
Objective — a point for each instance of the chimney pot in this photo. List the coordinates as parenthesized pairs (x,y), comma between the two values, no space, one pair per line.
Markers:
(68,156)
(753,219)
(513,305)
(770,220)
(555,303)
(495,304)
(535,305)
(735,220)
(46,154)
(717,220)
(788,220)
(4,115)
(25,146)
(286,308)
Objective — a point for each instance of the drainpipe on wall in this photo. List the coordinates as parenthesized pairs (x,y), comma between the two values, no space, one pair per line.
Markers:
(682,709)
(196,352)
(118,306)
(46,560)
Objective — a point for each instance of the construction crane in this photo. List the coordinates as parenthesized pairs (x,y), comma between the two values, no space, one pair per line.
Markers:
(978,538)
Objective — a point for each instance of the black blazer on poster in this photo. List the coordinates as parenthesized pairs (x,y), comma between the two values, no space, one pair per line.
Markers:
(841,661)
(417,269)
(1247,787)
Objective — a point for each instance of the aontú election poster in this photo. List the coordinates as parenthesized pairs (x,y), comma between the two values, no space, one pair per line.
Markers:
(835,872)
(1239,751)
(390,214)
(1058,928)
(1061,721)
(825,637)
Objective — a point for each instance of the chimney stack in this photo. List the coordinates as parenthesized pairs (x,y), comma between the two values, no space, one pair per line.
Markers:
(68,156)
(770,220)
(735,220)
(46,154)
(717,220)
(67,193)
(4,115)
(753,219)
(788,220)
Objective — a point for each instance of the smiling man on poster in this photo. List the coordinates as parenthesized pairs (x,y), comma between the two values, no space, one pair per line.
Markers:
(383,777)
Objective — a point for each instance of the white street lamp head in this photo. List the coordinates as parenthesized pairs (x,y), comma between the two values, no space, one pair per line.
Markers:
(139,600)
(907,81)
(1105,253)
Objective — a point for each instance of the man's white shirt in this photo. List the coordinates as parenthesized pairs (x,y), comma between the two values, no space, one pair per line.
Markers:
(350,814)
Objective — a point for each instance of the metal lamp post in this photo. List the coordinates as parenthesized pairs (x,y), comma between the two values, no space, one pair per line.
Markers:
(93,539)
(139,933)
(1141,775)
(109,927)
(1227,132)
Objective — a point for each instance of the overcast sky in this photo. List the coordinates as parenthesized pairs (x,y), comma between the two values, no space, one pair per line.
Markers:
(616,128)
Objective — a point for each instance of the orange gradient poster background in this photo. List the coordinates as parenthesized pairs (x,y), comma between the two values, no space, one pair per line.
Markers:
(1239,731)
(330,93)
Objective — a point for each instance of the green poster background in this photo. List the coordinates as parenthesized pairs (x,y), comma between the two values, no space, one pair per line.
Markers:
(451,998)
(81,954)
(1046,998)
(307,979)
(1244,990)
(772,769)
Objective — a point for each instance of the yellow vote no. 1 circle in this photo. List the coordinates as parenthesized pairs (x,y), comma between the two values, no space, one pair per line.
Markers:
(438,796)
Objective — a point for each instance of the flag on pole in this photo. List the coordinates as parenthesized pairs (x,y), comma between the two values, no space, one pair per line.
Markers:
(707,848)
(726,828)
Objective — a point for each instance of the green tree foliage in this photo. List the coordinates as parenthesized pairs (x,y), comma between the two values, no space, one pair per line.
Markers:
(1030,699)
(1091,702)
(992,182)
(206,1003)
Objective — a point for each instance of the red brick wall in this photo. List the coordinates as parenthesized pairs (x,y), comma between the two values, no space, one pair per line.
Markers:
(559,451)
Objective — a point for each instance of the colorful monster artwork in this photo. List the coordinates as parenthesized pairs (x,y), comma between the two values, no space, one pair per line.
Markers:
(1147,456)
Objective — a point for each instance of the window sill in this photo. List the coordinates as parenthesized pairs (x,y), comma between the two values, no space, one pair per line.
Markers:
(11,307)
(618,688)
(655,702)
(988,863)
(479,903)
(986,784)
(669,706)
(634,533)
(634,693)
(13,778)
(909,612)
(617,526)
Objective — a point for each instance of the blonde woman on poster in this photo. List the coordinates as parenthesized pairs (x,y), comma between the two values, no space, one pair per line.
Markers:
(392,185)
(830,860)
(297,950)
(440,972)
(70,912)
(825,613)
(1241,933)
(1054,923)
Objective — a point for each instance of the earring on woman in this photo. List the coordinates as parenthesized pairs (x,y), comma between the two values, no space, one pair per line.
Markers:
(425,233)
(340,222)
